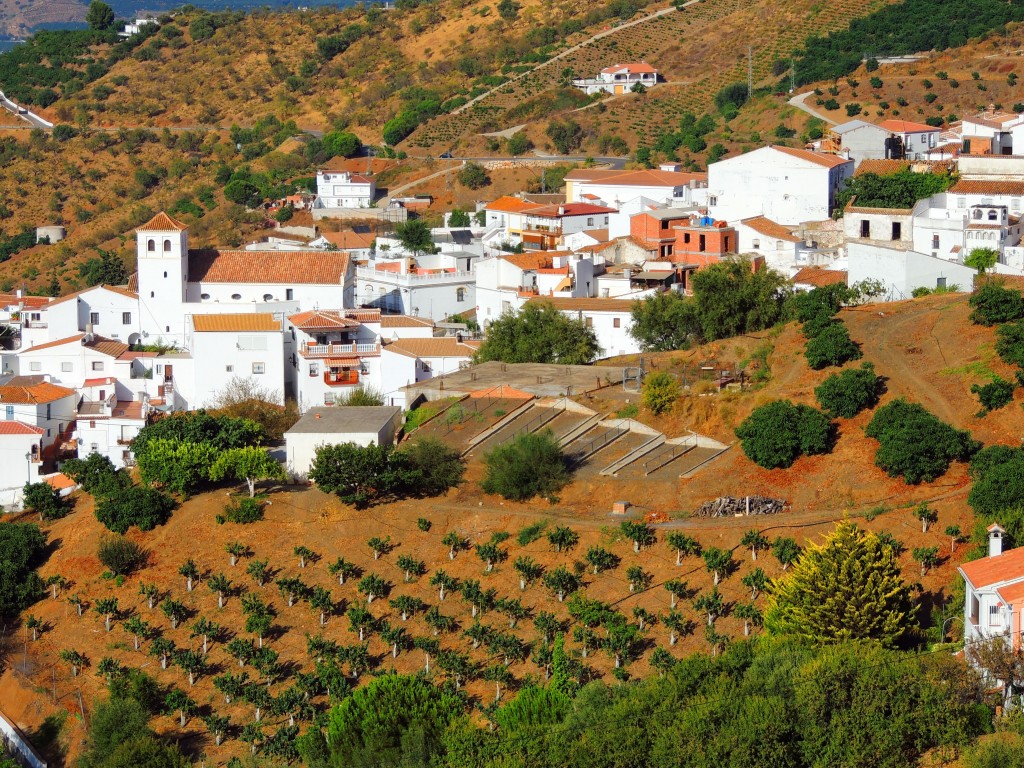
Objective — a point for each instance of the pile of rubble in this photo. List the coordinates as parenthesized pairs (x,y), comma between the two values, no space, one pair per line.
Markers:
(728,506)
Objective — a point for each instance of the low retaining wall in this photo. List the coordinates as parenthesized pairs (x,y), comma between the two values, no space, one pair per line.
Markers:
(18,745)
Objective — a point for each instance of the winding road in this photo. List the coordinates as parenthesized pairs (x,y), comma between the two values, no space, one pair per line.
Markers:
(29,117)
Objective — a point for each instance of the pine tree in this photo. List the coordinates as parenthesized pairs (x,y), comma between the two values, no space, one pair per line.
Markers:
(849,587)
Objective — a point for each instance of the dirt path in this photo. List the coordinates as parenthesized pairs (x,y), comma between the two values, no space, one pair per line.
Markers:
(573,49)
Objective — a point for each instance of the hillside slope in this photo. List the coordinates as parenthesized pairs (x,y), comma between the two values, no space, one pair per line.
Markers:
(903,340)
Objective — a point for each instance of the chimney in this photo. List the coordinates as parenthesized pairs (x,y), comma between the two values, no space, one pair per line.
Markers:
(995,540)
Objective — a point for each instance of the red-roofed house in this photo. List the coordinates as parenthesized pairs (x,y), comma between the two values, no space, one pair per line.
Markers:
(785,185)
(542,227)
(21,452)
(504,283)
(619,78)
(994,595)
(344,189)
(917,138)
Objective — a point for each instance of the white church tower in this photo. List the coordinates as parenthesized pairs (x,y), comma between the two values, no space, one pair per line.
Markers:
(162,247)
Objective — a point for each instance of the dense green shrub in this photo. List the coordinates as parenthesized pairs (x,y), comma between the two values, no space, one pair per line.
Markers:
(144,508)
(916,445)
(1010,343)
(530,465)
(244,510)
(96,475)
(832,346)
(826,300)
(998,473)
(120,555)
(994,395)
(846,394)
(778,433)
(898,190)
(661,390)
(22,547)
(45,500)
(993,304)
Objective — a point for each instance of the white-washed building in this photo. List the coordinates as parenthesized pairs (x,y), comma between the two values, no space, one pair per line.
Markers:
(344,189)
(362,425)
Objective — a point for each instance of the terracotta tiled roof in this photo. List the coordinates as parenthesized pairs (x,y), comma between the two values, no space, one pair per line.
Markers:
(571,209)
(992,570)
(770,228)
(105,346)
(244,321)
(532,260)
(162,223)
(510,204)
(645,178)
(891,167)
(637,68)
(60,481)
(404,321)
(44,392)
(56,343)
(968,187)
(273,267)
(98,382)
(321,319)
(120,290)
(818,277)
(826,161)
(1013,593)
(349,240)
(993,119)
(586,304)
(19,428)
(29,302)
(906,126)
(445,346)
(601,235)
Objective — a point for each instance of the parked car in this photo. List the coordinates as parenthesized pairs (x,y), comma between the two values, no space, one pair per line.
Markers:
(445,155)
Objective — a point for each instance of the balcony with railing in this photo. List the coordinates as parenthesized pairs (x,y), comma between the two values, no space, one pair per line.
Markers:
(338,350)
(410,279)
(341,378)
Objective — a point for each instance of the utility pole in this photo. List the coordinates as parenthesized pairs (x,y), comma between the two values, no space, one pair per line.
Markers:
(792,74)
(750,72)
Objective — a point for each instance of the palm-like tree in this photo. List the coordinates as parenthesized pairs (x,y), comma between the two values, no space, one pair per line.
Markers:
(236,549)
(190,571)
(139,629)
(106,607)
(444,583)
(320,599)
(259,571)
(683,545)
(343,569)
(221,585)
(205,629)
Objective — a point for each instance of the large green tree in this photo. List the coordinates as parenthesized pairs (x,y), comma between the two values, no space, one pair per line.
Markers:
(849,587)
(100,16)
(22,546)
(731,298)
(250,463)
(539,333)
(664,321)
(395,720)
(778,433)
(414,235)
(530,465)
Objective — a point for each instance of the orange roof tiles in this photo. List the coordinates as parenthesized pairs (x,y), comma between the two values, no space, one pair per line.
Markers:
(510,204)
(29,302)
(817,276)
(968,187)
(243,322)
(105,346)
(533,260)
(637,68)
(404,321)
(162,223)
(1013,593)
(992,570)
(644,178)
(827,161)
(56,343)
(570,209)
(274,267)
(120,290)
(60,481)
(890,167)
(586,304)
(444,346)
(906,126)
(769,228)
(44,392)
(98,382)
(349,240)
(321,319)
(19,428)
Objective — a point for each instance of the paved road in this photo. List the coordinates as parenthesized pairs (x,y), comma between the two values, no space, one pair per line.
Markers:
(800,102)
(32,119)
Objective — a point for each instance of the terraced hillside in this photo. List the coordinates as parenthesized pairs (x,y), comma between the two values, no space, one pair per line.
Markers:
(698,50)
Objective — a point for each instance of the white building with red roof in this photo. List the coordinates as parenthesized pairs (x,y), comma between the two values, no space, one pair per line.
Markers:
(543,226)
(619,78)
(785,185)
(994,593)
(917,138)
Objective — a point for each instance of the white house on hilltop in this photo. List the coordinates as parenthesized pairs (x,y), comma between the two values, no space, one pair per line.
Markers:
(619,78)
(344,189)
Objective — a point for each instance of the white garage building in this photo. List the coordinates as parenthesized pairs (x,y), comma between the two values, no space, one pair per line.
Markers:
(362,425)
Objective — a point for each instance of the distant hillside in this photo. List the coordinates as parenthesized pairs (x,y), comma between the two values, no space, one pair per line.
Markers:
(18,18)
